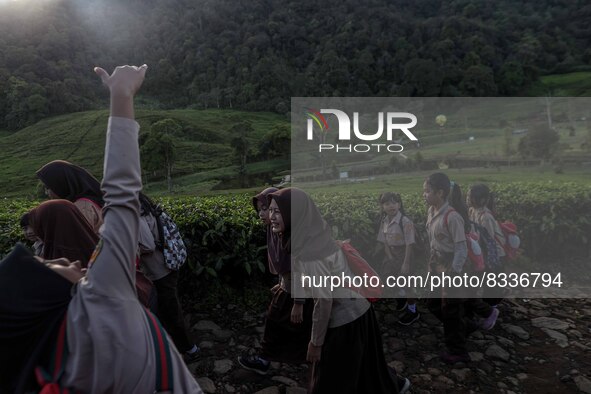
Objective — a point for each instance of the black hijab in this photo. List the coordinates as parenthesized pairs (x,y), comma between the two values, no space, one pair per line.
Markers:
(308,235)
(33,301)
(70,182)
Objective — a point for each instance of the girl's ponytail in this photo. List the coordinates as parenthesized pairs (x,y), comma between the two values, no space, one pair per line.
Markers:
(457,202)
(453,194)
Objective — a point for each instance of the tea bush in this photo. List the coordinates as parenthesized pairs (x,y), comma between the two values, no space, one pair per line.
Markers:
(226,239)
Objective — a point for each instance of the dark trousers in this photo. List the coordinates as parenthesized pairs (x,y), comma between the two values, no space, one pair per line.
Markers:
(494,295)
(478,307)
(452,314)
(170,311)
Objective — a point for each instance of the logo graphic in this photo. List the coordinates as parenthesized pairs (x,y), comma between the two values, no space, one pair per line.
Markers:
(391,124)
(317,117)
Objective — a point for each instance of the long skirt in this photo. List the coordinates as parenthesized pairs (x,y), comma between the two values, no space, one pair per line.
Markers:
(284,341)
(352,360)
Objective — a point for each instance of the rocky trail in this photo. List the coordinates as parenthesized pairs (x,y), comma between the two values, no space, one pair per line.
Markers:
(537,346)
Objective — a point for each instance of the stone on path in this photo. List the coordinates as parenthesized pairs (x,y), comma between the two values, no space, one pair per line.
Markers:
(583,384)
(205,344)
(550,322)
(222,366)
(516,330)
(286,381)
(223,335)
(498,353)
(229,389)
(206,385)
(269,390)
(476,356)
(560,338)
(461,374)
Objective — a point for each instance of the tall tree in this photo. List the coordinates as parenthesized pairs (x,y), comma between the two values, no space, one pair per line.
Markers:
(159,148)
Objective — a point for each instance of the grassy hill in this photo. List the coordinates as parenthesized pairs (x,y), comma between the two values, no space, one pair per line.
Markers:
(205,156)
(204,152)
(574,84)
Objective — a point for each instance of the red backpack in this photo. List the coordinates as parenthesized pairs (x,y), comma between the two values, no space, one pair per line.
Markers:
(512,241)
(474,250)
(360,267)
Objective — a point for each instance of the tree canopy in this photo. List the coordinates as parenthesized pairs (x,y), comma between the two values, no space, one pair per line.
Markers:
(257,54)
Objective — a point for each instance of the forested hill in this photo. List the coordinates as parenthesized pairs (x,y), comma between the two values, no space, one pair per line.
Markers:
(256,54)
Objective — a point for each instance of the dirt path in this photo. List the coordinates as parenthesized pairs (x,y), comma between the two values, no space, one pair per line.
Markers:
(537,346)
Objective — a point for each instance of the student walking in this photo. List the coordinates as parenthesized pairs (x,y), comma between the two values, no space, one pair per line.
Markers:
(397,234)
(481,205)
(447,227)
(165,280)
(345,345)
(289,321)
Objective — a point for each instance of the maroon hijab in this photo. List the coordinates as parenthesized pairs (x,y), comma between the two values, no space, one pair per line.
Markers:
(64,231)
(307,235)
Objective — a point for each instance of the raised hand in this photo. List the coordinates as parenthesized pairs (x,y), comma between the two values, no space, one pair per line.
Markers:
(123,84)
(125,80)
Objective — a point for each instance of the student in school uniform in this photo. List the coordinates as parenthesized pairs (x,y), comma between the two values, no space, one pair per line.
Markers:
(289,320)
(345,346)
(397,234)
(30,235)
(481,210)
(70,182)
(105,339)
(165,280)
(449,252)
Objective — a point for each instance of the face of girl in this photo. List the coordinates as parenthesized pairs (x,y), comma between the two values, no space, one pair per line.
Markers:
(277,225)
(29,234)
(263,211)
(390,208)
(432,197)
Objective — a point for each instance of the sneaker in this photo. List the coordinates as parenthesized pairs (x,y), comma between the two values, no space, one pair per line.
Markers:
(254,363)
(400,304)
(409,317)
(450,358)
(191,357)
(489,322)
(403,385)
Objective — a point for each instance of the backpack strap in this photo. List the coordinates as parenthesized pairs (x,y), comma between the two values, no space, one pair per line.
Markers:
(48,378)
(450,210)
(402,226)
(164,381)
